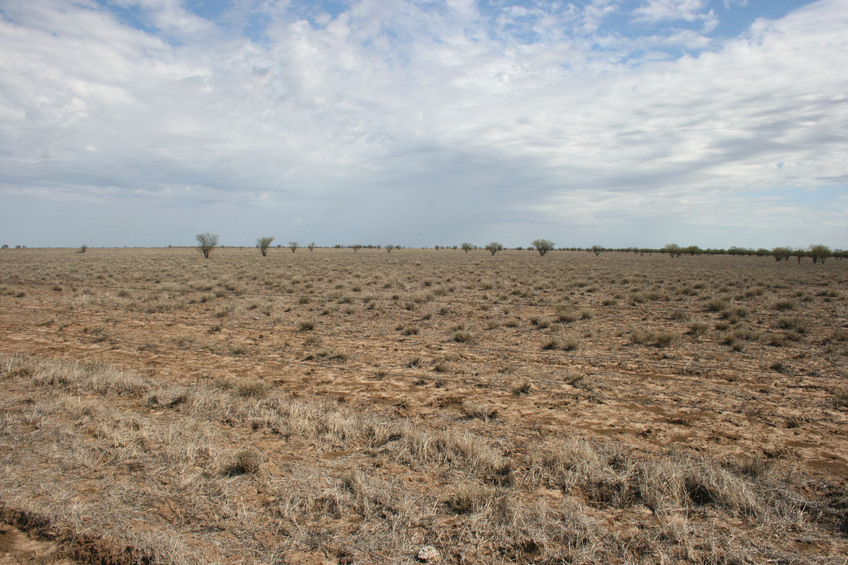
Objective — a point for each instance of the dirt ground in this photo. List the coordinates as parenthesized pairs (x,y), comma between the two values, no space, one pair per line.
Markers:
(724,364)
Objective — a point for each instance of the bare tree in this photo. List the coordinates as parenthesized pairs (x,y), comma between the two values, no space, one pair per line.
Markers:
(311,246)
(206,242)
(293,245)
(82,248)
(543,246)
(263,243)
(493,247)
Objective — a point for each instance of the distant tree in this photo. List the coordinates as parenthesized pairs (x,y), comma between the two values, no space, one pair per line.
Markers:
(206,242)
(293,245)
(467,247)
(597,250)
(493,247)
(820,253)
(5,246)
(263,243)
(389,248)
(356,247)
(781,253)
(799,253)
(734,250)
(543,246)
(311,246)
(672,249)
(82,248)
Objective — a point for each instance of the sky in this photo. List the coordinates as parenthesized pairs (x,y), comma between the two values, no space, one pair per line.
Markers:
(618,123)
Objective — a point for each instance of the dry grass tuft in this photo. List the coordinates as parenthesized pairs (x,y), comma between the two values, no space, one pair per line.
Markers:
(243,462)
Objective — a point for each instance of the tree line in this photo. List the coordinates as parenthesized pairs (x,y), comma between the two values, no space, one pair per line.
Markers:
(206,242)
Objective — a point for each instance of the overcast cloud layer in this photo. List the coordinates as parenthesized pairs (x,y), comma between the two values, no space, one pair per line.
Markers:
(611,122)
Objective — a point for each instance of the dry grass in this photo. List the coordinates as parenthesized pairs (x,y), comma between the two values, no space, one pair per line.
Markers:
(179,471)
(355,407)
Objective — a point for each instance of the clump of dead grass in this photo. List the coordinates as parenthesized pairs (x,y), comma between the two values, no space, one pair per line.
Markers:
(662,338)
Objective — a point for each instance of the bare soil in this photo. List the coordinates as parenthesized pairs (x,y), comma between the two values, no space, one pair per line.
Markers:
(338,406)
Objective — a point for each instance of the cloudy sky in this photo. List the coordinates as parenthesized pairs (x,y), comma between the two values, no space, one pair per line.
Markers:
(424,122)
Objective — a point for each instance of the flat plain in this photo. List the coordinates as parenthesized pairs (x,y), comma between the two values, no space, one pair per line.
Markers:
(341,406)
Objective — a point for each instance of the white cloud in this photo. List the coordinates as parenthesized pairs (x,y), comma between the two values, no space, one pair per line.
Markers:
(669,10)
(389,109)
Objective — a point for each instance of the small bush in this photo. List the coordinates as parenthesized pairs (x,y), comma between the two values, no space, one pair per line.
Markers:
(244,462)
(416,362)
(471,497)
(237,349)
(251,388)
(551,344)
(566,315)
(798,325)
(777,340)
(698,328)
(479,410)
(642,336)
(735,313)
(784,305)
(717,305)
(570,343)
(462,334)
(680,316)
(665,338)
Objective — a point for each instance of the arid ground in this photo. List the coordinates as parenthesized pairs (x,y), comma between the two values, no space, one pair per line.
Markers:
(355,407)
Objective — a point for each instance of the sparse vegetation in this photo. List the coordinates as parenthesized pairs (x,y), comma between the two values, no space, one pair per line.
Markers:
(356,407)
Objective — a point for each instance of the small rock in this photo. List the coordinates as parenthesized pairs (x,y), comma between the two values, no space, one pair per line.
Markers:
(428,554)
